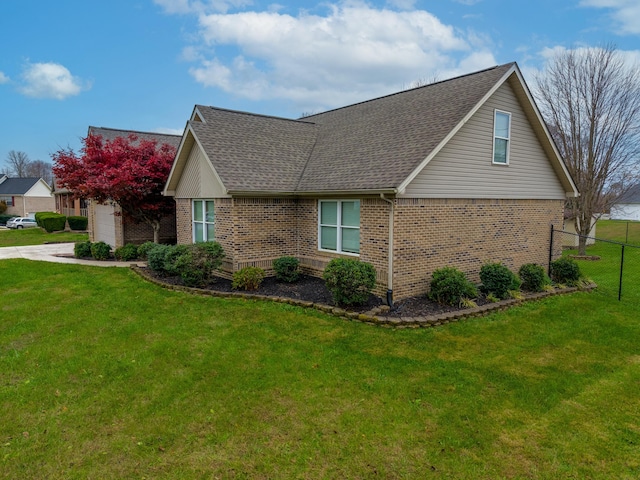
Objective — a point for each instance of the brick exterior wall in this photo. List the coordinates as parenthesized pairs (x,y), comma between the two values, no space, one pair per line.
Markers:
(432,233)
(428,234)
(25,206)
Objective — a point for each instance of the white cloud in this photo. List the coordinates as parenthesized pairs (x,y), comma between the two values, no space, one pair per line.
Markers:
(50,80)
(626,13)
(3,78)
(352,53)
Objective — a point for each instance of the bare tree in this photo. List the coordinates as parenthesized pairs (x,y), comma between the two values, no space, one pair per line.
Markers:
(590,100)
(41,169)
(17,162)
(19,165)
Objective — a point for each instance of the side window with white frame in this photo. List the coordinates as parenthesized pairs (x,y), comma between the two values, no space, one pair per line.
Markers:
(203,221)
(339,226)
(501,137)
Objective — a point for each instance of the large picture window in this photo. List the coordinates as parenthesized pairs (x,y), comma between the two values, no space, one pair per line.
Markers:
(339,226)
(203,221)
(501,137)
(7,200)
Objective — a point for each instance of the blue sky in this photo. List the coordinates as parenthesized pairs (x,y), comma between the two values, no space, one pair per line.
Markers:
(144,64)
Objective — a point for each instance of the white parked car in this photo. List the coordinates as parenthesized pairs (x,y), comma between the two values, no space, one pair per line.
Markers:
(21,222)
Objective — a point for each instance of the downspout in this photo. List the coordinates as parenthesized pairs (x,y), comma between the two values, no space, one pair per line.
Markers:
(390,252)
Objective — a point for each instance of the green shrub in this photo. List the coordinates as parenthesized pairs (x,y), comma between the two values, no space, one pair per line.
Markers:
(533,277)
(5,218)
(565,270)
(249,278)
(143,249)
(3,206)
(126,252)
(198,263)
(100,250)
(77,222)
(450,286)
(171,256)
(51,222)
(350,281)
(287,269)
(82,249)
(498,279)
(155,257)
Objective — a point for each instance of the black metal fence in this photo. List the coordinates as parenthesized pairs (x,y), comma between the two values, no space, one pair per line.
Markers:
(613,263)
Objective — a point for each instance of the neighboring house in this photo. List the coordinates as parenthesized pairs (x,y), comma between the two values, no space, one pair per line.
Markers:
(106,221)
(67,204)
(26,196)
(628,206)
(456,173)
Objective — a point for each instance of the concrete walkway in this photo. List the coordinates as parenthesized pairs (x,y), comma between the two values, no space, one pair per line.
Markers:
(54,252)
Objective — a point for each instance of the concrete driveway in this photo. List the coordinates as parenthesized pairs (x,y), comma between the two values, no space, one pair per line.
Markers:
(54,252)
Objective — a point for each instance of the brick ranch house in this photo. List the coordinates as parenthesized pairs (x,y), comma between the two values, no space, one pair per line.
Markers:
(26,196)
(456,173)
(106,222)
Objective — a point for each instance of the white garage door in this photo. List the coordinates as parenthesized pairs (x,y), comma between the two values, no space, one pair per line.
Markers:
(105,227)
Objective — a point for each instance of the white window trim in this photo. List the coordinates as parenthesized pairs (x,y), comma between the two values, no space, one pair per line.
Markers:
(338,227)
(203,222)
(508,139)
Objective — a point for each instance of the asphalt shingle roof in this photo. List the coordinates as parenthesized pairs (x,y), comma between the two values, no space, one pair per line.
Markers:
(17,186)
(112,133)
(373,145)
(631,196)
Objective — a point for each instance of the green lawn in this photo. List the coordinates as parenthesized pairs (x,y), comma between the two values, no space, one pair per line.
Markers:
(606,271)
(37,236)
(103,375)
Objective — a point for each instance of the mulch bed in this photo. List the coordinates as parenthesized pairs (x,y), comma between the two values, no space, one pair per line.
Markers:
(312,289)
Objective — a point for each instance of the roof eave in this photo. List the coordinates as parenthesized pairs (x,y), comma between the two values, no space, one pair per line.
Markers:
(314,194)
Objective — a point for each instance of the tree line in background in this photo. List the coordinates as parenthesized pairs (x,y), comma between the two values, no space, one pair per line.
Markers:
(19,165)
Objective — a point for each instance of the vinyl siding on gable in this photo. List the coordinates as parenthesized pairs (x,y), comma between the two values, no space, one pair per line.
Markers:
(198,179)
(464,168)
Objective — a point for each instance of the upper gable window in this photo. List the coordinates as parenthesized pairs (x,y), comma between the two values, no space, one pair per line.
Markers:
(501,137)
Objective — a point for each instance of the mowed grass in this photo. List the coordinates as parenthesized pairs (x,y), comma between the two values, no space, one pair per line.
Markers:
(103,375)
(37,236)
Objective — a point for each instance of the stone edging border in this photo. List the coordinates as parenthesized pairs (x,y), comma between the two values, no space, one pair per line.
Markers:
(371,317)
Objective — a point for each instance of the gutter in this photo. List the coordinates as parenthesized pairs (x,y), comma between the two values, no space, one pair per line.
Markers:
(390,252)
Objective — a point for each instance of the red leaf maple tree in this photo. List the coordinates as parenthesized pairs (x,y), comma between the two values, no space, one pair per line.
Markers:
(130,171)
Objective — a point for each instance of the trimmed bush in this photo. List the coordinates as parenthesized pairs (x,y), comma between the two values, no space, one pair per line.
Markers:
(287,269)
(199,262)
(82,249)
(143,249)
(50,221)
(126,252)
(78,222)
(498,279)
(155,257)
(249,278)
(350,281)
(100,250)
(171,256)
(450,286)
(565,270)
(533,277)
(5,218)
